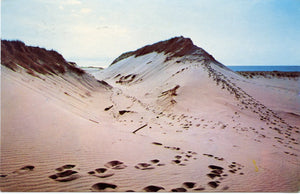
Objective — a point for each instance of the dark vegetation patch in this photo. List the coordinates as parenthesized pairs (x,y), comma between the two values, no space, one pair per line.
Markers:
(246,101)
(35,59)
(126,79)
(104,83)
(175,47)
(171,92)
(270,74)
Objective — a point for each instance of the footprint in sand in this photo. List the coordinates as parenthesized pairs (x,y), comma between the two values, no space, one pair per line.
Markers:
(199,189)
(155,161)
(64,167)
(208,155)
(214,167)
(184,188)
(189,185)
(115,164)
(172,148)
(220,159)
(147,166)
(101,173)
(65,174)
(153,188)
(216,171)
(213,175)
(24,169)
(213,184)
(176,161)
(103,186)
(144,166)
(215,157)
(235,167)
(180,189)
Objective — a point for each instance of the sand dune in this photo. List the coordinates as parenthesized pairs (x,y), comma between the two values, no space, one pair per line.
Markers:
(171,118)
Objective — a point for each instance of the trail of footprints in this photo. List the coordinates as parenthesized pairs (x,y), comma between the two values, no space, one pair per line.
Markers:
(245,101)
(23,170)
(65,174)
(216,173)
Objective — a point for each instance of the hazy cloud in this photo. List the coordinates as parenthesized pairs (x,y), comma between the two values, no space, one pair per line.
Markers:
(70,2)
(235,32)
(85,10)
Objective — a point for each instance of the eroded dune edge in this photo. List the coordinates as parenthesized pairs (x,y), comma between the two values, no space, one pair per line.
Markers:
(167,117)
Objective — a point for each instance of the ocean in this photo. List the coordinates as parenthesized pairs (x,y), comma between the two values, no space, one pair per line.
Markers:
(265,68)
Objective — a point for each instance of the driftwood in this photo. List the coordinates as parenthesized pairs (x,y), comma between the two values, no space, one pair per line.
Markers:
(140,128)
(107,108)
(94,121)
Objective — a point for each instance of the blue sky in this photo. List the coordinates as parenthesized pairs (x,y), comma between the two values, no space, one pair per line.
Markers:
(95,32)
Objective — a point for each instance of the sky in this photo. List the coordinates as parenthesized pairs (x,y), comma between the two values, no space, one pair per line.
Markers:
(95,32)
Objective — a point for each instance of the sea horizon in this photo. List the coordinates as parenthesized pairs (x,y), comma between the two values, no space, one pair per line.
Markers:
(285,68)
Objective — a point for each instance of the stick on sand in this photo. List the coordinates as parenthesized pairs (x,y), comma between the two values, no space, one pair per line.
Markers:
(140,128)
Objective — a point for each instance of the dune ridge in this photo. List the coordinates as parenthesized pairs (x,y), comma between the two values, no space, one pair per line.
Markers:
(174,47)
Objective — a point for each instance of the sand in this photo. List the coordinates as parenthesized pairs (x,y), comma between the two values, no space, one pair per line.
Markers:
(164,126)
